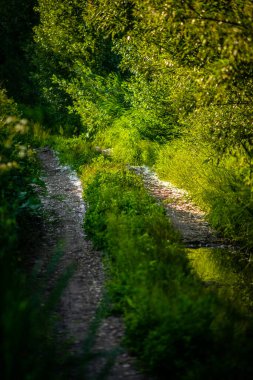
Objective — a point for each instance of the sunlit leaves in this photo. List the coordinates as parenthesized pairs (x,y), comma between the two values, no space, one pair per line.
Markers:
(182,62)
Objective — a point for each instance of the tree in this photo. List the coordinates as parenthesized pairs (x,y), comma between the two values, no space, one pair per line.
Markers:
(16,23)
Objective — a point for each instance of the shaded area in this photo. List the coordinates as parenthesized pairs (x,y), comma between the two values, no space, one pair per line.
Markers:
(227,272)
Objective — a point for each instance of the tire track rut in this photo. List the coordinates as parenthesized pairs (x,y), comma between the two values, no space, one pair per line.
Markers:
(65,208)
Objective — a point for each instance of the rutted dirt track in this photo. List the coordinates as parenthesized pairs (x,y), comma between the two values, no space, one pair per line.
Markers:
(186,217)
(63,230)
(64,209)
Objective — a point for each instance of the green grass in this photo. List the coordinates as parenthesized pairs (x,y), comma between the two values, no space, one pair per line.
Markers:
(73,151)
(126,143)
(215,183)
(175,326)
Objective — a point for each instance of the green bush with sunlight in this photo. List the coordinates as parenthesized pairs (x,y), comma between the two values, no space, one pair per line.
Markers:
(220,183)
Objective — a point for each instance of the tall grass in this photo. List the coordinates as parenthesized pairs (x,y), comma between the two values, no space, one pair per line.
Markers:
(174,325)
(126,142)
(214,182)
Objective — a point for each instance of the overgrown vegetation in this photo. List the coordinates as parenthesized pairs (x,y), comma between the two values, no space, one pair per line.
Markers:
(219,184)
(162,83)
(134,76)
(175,326)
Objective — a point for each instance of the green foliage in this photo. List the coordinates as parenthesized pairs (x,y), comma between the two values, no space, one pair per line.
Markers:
(74,151)
(175,326)
(171,59)
(162,60)
(220,184)
(97,101)
(17,21)
(67,43)
(75,57)
(125,143)
(227,268)
(188,56)
(18,170)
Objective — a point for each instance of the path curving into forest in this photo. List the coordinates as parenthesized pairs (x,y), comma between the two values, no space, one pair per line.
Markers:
(64,209)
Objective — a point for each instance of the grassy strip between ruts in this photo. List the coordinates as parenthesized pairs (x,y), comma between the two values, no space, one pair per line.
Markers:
(174,325)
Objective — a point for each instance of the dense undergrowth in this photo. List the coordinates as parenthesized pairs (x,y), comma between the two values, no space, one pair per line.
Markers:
(174,325)
(219,185)
(162,83)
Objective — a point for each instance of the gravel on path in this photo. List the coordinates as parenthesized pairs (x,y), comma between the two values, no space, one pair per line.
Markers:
(186,217)
(65,208)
